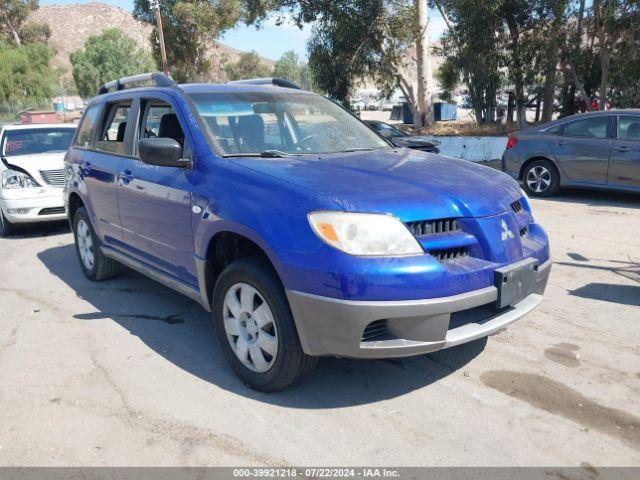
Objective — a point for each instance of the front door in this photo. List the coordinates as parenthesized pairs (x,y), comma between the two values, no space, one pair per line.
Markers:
(582,150)
(155,202)
(624,163)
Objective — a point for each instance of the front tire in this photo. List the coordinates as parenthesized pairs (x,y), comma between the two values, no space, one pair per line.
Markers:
(8,228)
(95,265)
(255,327)
(541,178)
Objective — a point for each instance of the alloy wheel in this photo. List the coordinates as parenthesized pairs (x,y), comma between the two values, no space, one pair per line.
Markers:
(85,244)
(539,179)
(250,327)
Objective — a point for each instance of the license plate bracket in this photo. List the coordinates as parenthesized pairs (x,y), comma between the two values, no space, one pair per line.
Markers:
(515,282)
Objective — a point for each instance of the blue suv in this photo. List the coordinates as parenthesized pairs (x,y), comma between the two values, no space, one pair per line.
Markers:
(303,231)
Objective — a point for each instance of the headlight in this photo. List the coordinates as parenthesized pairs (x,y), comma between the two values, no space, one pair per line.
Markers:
(365,234)
(14,179)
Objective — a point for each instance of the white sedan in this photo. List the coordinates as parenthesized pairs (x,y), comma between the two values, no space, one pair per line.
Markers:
(32,173)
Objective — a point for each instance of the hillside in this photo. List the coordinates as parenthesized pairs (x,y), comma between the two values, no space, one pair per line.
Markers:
(72,24)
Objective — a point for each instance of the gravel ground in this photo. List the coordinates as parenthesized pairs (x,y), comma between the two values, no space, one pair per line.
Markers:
(127,372)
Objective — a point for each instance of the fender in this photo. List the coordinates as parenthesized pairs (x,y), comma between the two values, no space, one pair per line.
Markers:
(205,235)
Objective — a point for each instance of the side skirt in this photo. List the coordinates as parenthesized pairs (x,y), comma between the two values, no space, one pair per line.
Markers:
(159,276)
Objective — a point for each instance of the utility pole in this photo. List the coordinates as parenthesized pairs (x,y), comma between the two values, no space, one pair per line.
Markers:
(155,4)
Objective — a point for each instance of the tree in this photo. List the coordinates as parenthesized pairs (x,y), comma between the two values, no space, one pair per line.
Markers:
(190,27)
(25,76)
(474,43)
(614,20)
(423,63)
(448,76)
(13,14)
(355,39)
(524,20)
(288,67)
(551,51)
(35,32)
(106,57)
(249,65)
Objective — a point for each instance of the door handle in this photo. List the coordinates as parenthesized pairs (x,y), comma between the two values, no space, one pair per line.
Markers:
(622,149)
(560,143)
(125,176)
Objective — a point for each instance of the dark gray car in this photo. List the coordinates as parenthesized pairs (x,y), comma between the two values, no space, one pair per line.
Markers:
(596,149)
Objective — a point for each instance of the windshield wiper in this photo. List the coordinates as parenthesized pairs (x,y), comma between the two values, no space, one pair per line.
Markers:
(265,154)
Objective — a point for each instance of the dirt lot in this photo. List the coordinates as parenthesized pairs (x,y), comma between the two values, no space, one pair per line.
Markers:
(126,372)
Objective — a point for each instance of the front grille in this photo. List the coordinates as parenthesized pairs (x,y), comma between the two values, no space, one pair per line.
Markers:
(375,331)
(449,253)
(51,211)
(53,177)
(523,231)
(517,206)
(431,227)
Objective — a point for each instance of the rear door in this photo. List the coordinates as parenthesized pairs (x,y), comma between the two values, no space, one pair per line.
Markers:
(582,149)
(155,202)
(624,163)
(103,153)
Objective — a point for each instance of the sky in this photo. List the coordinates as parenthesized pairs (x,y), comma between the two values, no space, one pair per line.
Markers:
(270,41)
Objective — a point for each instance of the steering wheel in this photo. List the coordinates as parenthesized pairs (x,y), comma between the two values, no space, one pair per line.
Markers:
(300,143)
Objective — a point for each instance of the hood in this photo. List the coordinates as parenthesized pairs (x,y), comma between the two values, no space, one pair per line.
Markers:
(34,165)
(410,184)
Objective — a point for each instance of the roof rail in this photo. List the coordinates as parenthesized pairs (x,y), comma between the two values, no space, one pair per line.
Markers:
(278,82)
(158,78)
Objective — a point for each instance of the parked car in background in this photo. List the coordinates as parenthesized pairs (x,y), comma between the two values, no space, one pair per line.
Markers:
(598,149)
(32,172)
(302,230)
(402,139)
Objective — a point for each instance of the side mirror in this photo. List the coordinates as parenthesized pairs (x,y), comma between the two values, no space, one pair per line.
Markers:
(163,152)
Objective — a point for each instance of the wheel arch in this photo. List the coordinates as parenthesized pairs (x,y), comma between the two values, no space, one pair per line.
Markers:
(75,202)
(529,161)
(225,247)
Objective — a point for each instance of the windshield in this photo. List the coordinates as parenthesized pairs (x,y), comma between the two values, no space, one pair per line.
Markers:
(36,140)
(281,123)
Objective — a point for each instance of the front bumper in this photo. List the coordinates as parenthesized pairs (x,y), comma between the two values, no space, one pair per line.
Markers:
(329,326)
(32,205)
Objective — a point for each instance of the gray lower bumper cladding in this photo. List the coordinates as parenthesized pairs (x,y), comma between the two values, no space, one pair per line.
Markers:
(329,326)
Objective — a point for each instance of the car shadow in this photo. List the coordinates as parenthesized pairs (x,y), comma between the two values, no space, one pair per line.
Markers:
(594,197)
(39,229)
(181,331)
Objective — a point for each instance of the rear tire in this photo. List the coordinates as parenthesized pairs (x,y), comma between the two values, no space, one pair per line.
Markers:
(8,228)
(95,265)
(255,327)
(541,178)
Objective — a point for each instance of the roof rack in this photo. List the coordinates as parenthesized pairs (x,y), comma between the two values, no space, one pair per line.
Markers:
(278,82)
(158,78)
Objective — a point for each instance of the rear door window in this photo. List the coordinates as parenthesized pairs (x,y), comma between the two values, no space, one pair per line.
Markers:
(113,129)
(593,127)
(86,127)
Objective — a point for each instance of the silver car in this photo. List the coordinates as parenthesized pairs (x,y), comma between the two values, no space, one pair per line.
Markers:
(597,149)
